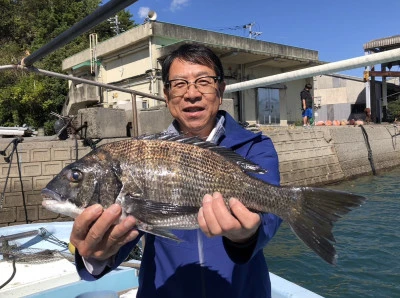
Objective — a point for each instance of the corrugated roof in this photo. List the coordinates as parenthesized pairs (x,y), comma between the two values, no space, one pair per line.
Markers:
(383,43)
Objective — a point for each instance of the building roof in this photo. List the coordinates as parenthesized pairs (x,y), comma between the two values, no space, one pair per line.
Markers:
(230,48)
(383,44)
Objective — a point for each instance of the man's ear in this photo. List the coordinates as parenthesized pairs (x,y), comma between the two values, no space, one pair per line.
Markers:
(166,96)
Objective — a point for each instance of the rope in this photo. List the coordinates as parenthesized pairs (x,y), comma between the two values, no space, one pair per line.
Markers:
(12,275)
(370,157)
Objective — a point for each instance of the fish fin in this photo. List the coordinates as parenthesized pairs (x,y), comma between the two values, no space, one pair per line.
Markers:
(158,232)
(312,216)
(227,153)
(149,209)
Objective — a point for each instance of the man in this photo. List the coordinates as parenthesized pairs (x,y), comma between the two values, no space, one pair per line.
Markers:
(226,258)
(306,105)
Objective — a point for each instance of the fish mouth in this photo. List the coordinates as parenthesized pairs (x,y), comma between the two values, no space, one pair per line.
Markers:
(48,194)
(54,202)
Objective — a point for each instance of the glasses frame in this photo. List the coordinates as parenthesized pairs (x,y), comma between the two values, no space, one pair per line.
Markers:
(215,78)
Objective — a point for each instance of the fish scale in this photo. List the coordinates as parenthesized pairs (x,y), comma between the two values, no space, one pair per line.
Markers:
(161,180)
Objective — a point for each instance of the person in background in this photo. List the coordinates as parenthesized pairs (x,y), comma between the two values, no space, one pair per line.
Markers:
(225,257)
(306,105)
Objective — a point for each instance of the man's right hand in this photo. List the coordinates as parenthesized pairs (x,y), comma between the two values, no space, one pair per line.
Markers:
(96,235)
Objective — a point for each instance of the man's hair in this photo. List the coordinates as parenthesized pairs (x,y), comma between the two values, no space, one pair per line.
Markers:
(308,86)
(194,53)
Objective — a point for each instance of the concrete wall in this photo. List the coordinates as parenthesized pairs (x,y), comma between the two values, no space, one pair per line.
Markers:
(40,161)
(307,157)
(324,155)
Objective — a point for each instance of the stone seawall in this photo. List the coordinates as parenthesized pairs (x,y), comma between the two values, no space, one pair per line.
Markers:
(323,155)
(316,156)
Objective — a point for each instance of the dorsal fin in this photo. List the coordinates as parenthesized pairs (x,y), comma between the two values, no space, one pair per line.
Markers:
(228,154)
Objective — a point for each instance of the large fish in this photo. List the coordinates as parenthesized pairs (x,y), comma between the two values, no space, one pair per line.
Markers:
(161,180)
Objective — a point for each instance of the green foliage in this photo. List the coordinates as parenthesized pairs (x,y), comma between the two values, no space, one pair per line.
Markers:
(26,26)
(394,108)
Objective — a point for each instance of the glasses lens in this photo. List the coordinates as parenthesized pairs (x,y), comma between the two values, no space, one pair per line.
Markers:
(204,85)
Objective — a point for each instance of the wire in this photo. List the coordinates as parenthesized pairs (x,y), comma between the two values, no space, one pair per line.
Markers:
(46,235)
(12,275)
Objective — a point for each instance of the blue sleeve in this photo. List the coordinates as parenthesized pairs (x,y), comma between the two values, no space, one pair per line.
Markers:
(264,154)
(119,258)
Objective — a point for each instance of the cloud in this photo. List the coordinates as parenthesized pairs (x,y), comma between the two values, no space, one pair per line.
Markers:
(143,12)
(178,4)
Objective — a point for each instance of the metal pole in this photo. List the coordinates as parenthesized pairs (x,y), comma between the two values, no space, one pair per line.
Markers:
(99,15)
(17,236)
(90,82)
(135,123)
(372,59)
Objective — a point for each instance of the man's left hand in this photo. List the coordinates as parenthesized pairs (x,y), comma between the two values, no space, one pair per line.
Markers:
(237,224)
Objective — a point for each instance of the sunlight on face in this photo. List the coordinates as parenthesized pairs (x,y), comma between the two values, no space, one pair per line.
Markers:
(194,111)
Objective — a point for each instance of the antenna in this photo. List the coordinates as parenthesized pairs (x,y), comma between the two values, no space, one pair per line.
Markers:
(252,34)
(114,21)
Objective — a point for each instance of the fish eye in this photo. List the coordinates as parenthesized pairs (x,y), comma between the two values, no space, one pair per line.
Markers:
(74,176)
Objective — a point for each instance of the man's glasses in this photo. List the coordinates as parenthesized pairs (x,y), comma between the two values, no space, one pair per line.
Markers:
(205,85)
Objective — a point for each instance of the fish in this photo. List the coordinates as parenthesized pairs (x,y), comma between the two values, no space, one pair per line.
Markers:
(161,180)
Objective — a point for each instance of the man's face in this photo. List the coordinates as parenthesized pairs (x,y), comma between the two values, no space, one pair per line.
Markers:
(194,111)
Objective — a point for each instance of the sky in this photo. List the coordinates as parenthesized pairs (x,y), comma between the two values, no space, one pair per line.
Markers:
(336,29)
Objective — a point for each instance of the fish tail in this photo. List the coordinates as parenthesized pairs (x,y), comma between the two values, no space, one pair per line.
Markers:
(313,213)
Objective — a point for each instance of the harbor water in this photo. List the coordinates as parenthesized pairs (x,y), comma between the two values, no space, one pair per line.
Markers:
(367,244)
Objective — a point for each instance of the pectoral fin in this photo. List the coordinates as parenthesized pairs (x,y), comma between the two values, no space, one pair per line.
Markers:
(157,231)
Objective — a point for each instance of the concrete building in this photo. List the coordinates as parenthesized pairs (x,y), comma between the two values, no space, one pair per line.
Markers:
(133,60)
(379,103)
(340,97)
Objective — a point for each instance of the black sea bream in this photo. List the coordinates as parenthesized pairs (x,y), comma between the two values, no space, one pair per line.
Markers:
(161,181)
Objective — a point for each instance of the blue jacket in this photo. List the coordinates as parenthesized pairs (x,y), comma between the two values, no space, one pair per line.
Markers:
(172,269)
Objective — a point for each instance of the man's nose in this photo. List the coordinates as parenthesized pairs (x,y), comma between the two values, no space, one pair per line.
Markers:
(192,91)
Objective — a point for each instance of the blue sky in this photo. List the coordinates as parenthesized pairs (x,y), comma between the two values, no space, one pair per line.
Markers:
(336,29)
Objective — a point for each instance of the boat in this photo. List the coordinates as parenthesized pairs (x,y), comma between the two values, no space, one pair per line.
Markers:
(44,266)
(35,262)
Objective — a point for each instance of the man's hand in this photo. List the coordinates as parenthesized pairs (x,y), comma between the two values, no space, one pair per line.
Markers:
(238,225)
(96,235)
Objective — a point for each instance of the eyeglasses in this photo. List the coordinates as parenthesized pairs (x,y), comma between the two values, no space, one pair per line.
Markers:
(205,85)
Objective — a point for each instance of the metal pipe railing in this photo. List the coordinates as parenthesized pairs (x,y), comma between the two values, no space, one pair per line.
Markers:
(367,60)
(80,80)
(99,15)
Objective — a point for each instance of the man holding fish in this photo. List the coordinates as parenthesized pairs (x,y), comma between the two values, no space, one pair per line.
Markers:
(233,264)
(206,171)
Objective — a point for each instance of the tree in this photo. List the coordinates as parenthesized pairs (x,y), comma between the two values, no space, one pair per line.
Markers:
(394,108)
(27,25)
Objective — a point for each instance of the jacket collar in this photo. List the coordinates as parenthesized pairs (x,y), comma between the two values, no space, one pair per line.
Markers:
(235,134)
(229,132)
